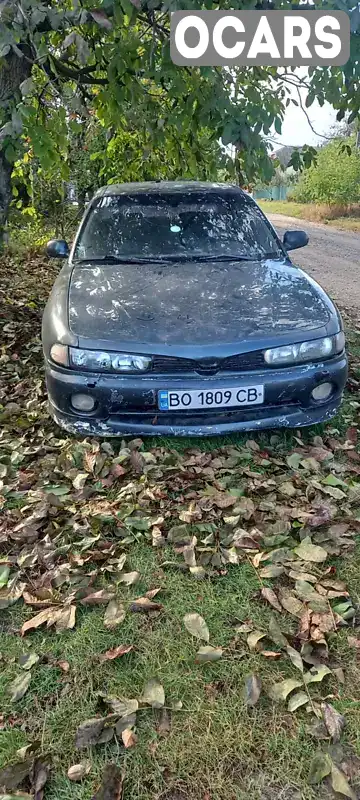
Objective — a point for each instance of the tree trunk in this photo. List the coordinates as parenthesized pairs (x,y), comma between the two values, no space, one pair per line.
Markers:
(13,71)
(238,171)
(82,201)
(5,194)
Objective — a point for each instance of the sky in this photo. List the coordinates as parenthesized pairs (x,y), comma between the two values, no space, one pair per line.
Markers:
(296,130)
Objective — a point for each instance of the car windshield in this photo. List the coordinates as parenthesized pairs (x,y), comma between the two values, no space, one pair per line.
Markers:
(175,226)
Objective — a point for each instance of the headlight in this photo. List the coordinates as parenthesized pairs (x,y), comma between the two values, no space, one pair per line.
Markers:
(59,353)
(100,361)
(314,350)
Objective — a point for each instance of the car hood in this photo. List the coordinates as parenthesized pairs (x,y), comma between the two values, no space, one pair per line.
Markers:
(194,303)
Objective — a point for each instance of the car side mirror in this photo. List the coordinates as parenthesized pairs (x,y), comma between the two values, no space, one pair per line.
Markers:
(57,248)
(294,239)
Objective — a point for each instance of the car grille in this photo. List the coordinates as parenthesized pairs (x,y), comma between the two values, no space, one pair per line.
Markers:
(204,417)
(208,366)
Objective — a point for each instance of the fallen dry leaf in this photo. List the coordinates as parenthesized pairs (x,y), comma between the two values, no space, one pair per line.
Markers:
(270,654)
(39,773)
(164,724)
(114,614)
(318,730)
(320,767)
(89,461)
(78,771)
(12,776)
(118,471)
(124,707)
(317,674)
(287,489)
(196,625)
(40,619)
(129,738)
(125,722)
(307,593)
(252,690)
(129,578)
(304,625)
(271,571)
(64,665)
(98,598)
(39,601)
(112,784)
(208,653)
(302,576)
(340,783)
(308,551)
(339,674)
(325,622)
(270,596)
(291,604)
(353,642)
(153,592)
(153,694)
(19,686)
(280,691)
(295,657)
(144,605)
(334,721)
(137,462)
(297,700)
(254,638)
(276,634)
(80,480)
(28,660)
(258,558)
(116,652)
(91,732)
(63,618)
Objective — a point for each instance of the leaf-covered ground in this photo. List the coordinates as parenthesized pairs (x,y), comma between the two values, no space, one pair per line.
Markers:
(178,620)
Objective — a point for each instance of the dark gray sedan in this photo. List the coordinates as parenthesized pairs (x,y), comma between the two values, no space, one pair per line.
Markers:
(178,311)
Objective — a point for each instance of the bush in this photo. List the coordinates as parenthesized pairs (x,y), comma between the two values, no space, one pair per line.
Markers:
(27,234)
(30,231)
(334,179)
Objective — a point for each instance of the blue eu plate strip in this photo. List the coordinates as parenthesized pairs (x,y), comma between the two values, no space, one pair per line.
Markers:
(164,401)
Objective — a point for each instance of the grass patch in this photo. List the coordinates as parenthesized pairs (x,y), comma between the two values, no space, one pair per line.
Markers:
(345,224)
(334,216)
(214,746)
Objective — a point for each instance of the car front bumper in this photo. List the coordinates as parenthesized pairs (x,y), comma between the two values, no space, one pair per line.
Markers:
(127,404)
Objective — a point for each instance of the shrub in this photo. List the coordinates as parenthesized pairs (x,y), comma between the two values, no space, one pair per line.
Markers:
(334,179)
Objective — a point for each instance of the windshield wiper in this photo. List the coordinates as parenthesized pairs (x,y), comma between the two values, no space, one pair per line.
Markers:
(118,260)
(220,258)
(239,257)
(181,257)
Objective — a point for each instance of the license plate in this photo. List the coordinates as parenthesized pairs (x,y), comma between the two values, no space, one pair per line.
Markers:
(169,400)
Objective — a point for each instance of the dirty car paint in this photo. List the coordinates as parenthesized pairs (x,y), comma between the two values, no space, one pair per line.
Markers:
(193,303)
(175,305)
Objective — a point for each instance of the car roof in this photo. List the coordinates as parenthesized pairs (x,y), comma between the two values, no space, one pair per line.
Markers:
(163,187)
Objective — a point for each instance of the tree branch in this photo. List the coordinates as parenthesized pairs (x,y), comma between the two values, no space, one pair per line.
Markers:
(78,75)
(322,135)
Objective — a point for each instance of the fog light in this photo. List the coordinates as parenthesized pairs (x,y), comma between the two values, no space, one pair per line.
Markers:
(82,402)
(322,392)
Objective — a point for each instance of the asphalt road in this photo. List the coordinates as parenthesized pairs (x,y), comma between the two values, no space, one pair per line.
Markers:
(332,257)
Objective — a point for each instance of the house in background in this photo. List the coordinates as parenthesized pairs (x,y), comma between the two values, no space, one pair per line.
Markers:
(281,182)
